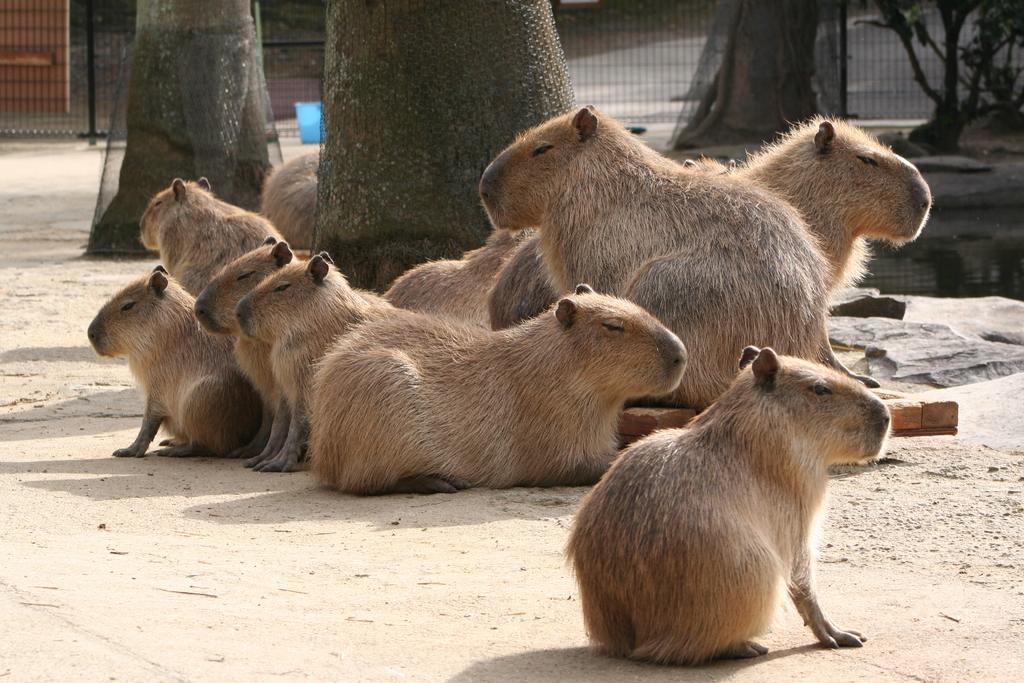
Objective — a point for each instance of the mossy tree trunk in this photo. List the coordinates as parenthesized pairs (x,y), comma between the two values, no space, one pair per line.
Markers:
(196,107)
(418,98)
(764,81)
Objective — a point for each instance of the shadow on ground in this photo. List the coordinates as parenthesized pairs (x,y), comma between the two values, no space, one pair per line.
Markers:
(90,414)
(55,354)
(583,665)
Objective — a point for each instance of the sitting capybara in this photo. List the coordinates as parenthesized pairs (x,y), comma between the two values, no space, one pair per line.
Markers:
(523,289)
(299,310)
(721,263)
(198,234)
(421,404)
(193,387)
(289,199)
(456,289)
(215,310)
(682,549)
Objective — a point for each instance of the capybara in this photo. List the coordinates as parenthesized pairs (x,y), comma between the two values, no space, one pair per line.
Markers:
(289,199)
(421,404)
(192,385)
(456,289)
(849,189)
(720,262)
(682,549)
(215,310)
(299,310)
(523,289)
(197,234)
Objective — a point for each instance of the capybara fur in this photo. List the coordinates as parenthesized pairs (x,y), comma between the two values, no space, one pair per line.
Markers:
(523,288)
(215,310)
(197,234)
(422,404)
(192,385)
(720,262)
(289,199)
(457,289)
(849,189)
(682,550)
(299,310)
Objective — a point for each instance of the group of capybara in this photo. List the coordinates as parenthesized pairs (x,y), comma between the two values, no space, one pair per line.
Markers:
(614,276)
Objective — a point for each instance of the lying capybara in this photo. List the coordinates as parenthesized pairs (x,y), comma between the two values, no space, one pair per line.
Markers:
(523,288)
(849,189)
(421,404)
(299,310)
(197,234)
(289,199)
(193,387)
(215,310)
(721,263)
(682,549)
(456,289)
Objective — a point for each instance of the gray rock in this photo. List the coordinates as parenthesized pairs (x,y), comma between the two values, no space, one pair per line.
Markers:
(990,413)
(991,318)
(1000,188)
(949,163)
(925,353)
(863,302)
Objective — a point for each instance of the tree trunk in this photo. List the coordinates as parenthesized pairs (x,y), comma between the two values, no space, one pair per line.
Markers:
(196,107)
(764,82)
(418,98)
(942,132)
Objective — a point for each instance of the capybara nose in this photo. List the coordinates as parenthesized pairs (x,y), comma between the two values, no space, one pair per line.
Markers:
(93,334)
(201,310)
(489,180)
(672,350)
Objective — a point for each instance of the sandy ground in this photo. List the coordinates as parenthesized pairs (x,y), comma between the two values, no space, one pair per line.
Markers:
(159,569)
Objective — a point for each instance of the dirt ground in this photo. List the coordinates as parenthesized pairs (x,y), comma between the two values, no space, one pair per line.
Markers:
(158,569)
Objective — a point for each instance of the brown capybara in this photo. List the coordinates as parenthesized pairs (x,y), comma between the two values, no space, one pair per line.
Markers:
(193,387)
(456,289)
(523,289)
(720,262)
(849,189)
(682,549)
(197,234)
(421,404)
(299,310)
(289,199)
(215,310)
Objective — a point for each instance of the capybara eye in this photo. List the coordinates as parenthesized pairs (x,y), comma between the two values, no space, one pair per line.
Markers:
(867,160)
(821,389)
(613,325)
(283,286)
(245,275)
(540,150)
(127,306)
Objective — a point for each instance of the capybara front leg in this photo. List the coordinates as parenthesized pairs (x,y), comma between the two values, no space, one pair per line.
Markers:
(801,590)
(278,435)
(287,459)
(151,422)
(828,357)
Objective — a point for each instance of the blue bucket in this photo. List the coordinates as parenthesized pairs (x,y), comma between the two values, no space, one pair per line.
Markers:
(310,117)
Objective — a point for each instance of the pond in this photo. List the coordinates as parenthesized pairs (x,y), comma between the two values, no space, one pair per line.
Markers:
(961,253)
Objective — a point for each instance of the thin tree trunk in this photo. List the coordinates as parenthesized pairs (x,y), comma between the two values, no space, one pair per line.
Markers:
(418,98)
(196,107)
(764,82)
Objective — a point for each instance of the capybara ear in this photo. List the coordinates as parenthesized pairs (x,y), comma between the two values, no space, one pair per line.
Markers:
(585,123)
(281,252)
(766,367)
(824,137)
(584,288)
(160,269)
(748,356)
(270,240)
(179,189)
(566,312)
(204,183)
(158,282)
(318,268)
(326,257)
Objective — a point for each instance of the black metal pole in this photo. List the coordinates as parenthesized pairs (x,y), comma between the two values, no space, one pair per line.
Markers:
(843,58)
(90,67)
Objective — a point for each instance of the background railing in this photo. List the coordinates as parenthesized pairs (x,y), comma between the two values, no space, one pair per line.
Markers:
(635,58)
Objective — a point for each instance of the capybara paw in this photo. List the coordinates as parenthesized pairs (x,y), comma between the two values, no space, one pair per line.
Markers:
(181,451)
(254,461)
(243,452)
(869,382)
(837,638)
(745,650)
(166,442)
(130,452)
(278,464)
(425,483)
